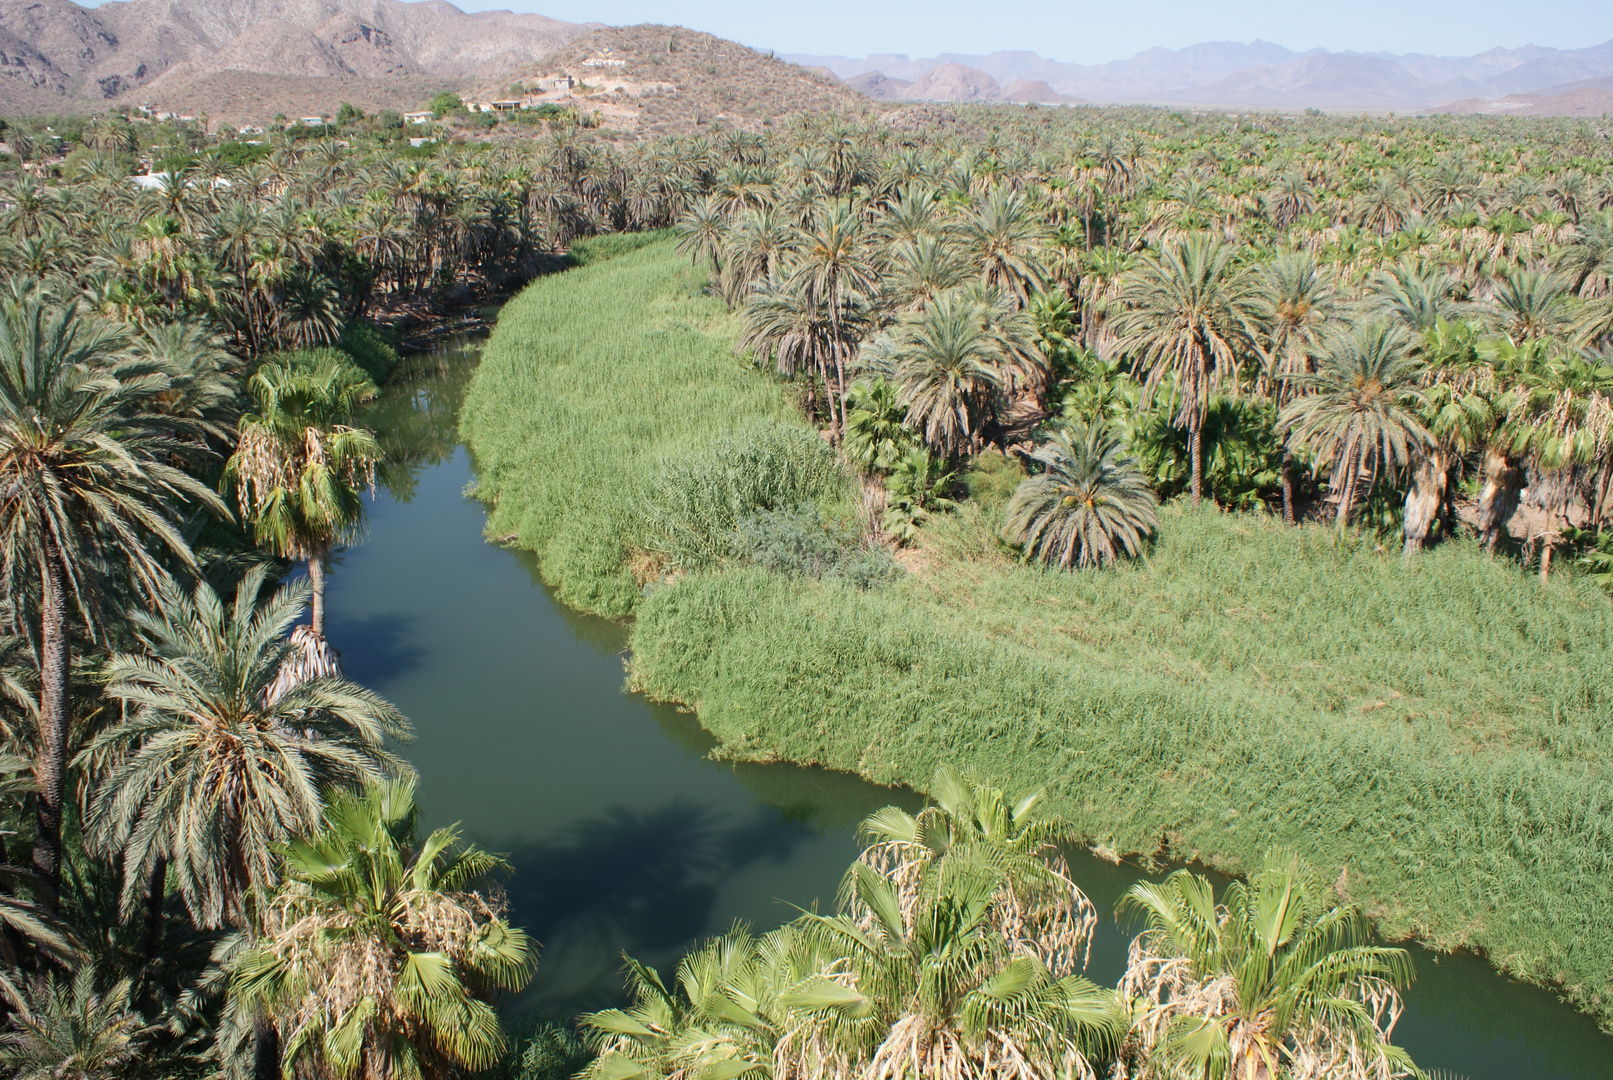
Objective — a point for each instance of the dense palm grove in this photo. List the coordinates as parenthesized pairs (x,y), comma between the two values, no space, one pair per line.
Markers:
(212,861)
(1379,323)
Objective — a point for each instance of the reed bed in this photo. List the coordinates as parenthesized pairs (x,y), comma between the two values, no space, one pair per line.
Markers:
(592,382)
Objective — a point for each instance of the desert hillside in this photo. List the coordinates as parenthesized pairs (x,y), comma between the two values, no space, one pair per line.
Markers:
(654,80)
(58,56)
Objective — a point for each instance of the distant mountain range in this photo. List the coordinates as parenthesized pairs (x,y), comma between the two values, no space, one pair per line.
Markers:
(250,59)
(1258,75)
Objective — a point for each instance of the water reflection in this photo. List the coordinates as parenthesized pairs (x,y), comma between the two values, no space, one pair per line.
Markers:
(624,834)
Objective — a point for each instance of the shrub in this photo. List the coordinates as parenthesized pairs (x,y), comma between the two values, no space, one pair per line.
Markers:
(797,542)
(693,508)
(371,349)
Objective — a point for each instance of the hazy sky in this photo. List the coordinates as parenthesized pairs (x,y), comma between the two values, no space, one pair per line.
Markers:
(1087,31)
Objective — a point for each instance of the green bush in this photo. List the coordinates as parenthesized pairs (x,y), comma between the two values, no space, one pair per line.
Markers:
(798,542)
(692,508)
(371,349)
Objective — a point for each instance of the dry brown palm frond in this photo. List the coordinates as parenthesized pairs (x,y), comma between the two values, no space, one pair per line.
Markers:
(311,658)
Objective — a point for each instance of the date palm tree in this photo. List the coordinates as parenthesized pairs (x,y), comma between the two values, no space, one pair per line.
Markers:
(948,366)
(1295,298)
(377,958)
(1189,312)
(88,465)
(1271,981)
(70,1030)
(300,466)
(1360,410)
(216,760)
(1091,503)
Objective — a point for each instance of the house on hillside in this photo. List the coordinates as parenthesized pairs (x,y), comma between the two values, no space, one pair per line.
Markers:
(505,106)
(417,118)
(563,82)
(312,121)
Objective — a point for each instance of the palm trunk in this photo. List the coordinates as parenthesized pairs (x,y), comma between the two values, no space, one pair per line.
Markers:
(1424,499)
(316,577)
(50,767)
(1499,496)
(1545,557)
(1288,484)
(1347,496)
(156,894)
(1195,453)
(265,1050)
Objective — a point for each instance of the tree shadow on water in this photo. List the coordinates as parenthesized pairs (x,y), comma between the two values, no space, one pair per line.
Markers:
(643,882)
(375,648)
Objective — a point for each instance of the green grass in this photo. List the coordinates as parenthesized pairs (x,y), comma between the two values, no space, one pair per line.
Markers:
(591,382)
(1437,735)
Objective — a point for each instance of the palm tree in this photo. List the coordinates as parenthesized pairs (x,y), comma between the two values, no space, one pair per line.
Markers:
(1533,304)
(948,366)
(1417,295)
(300,464)
(1295,299)
(377,958)
(87,462)
(1269,982)
(876,437)
(835,265)
(72,1031)
(216,760)
(940,986)
(1189,312)
(1092,502)
(722,1016)
(1002,236)
(1360,412)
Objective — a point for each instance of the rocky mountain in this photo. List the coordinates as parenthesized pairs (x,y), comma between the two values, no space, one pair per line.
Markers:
(56,55)
(654,80)
(1264,75)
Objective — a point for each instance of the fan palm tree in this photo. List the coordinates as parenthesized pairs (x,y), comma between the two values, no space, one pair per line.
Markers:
(300,464)
(88,465)
(1052,916)
(72,1031)
(1269,982)
(216,760)
(722,1016)
(1092,503)
(940,987)
(1189,312)
(1360,410)
(948,366)
(377,959)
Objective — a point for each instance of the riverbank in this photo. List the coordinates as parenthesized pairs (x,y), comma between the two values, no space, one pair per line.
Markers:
(1432,734)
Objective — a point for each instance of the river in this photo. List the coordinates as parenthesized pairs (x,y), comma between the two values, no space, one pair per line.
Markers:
(624,836)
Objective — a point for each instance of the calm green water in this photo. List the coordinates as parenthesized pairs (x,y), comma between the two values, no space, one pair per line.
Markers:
(623,835)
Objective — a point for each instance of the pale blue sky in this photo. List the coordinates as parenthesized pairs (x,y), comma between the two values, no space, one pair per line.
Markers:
(1087,31)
